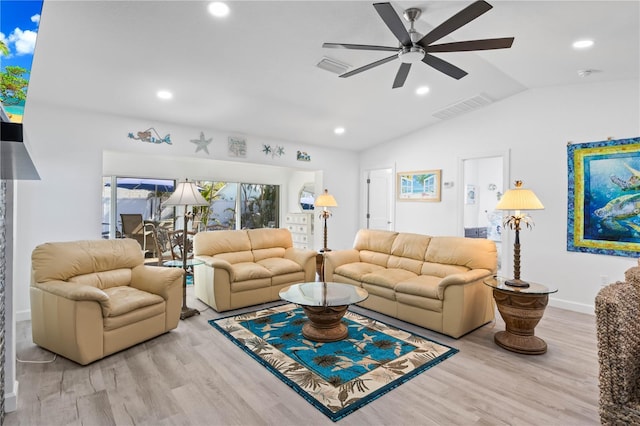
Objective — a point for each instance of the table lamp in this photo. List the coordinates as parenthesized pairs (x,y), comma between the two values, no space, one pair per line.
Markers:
(518,199)
(186,194)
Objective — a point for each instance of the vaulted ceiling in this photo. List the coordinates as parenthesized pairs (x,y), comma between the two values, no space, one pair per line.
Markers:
(255,72)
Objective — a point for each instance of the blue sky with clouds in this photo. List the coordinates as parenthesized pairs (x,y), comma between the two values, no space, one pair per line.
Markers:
(19,21)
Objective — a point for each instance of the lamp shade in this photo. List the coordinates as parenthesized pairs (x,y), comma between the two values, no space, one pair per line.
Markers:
(519,199)
(186,193)
(325,200)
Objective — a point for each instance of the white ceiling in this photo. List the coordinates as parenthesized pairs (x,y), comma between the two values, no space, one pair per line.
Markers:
(255,72)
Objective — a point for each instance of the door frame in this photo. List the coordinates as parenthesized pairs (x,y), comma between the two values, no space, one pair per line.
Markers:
(506,178)
(364,199)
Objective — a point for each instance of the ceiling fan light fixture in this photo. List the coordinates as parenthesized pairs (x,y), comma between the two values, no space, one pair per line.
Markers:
(411,55)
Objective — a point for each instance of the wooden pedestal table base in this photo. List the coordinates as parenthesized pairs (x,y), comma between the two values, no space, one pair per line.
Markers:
(521,308)
(521,313)
(325,323)
(324,303)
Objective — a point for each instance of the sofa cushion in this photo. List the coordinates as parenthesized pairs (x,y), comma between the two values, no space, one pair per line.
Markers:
(279,265)
(441,270)
(267,253)
(245,271)
(473,253)
(410,246)
(374,257)
(374,240)
(124,299)
(262,238)
(237,257)
(422,285)
(356,270)
(105,279)
(225,241)
(411,265)
(388,277)
(63,260)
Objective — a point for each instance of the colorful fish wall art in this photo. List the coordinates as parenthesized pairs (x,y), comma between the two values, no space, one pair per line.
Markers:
(151,136)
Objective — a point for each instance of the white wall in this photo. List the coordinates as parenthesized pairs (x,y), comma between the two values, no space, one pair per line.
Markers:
(72,149)
(534,127)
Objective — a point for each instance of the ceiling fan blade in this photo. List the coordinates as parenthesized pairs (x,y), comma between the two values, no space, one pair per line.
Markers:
(444,66)
(402,74)
(359,47)
(461,18)
(465,46)
(393,21)
(368,67)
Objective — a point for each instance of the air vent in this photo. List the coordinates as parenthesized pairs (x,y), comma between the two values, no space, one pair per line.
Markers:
(332,65)
(461,107)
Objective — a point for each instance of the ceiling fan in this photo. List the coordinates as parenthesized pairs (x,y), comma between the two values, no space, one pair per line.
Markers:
(414,49)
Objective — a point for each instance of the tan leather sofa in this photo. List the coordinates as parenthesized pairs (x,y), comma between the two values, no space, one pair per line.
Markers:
(433,282)
(247,267)
(90,299)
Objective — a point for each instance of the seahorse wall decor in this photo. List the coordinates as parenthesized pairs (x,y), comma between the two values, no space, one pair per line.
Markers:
(148,136)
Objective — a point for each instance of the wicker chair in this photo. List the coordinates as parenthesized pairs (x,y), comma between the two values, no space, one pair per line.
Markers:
(618,330)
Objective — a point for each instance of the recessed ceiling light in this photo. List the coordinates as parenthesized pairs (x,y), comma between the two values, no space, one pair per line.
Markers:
(218,9)
(338,130)
(422,90)
(164,94)
(582,44)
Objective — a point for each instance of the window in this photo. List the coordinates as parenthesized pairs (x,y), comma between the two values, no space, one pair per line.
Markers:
(232,205)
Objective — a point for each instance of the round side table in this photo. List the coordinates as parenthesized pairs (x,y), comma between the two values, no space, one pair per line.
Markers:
(521,308)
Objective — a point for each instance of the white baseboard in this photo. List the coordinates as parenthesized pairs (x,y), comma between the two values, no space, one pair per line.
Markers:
(11,399)
(572,306)
(23,316)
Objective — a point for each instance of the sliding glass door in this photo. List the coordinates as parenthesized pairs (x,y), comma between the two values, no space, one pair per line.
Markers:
(232,205)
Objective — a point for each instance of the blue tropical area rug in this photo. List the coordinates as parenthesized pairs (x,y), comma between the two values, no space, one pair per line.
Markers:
(336,377)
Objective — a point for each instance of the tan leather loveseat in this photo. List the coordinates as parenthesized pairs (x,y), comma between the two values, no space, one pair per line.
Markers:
(247,267)
(90,299)
(434,282)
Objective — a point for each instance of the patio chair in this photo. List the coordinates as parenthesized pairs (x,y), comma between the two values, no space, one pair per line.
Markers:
(133,226)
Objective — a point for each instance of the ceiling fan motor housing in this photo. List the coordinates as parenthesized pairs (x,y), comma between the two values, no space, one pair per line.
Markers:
(411,55)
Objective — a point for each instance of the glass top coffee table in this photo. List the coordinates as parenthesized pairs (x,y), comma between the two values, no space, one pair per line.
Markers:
(324,303)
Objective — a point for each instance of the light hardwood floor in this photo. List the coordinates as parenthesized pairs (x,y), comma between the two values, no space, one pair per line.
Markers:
(195,376)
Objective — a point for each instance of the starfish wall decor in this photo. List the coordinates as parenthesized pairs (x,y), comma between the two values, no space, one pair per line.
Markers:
(202,143)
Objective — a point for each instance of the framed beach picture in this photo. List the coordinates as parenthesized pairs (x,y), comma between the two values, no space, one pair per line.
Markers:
(421,185)
(604,197)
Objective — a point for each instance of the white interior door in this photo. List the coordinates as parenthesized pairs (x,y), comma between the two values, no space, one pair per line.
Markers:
(379,199)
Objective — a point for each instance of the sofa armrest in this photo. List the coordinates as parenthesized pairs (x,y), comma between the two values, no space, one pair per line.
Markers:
(77,292)
(218,263)
(470,276)
(333,259)
(156,279)
(300,256)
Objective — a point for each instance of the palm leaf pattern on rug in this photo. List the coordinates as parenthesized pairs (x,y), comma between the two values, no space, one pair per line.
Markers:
(336,377)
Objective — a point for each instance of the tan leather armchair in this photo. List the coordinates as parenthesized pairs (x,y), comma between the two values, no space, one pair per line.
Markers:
(90,299)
